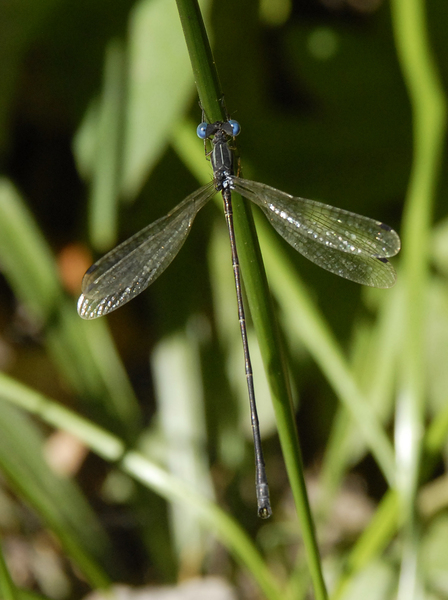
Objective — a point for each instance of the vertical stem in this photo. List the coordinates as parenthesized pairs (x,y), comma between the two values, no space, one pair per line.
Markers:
(429,122)
(258,295)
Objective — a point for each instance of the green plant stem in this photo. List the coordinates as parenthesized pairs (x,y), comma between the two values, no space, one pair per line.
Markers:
(429,122)
(258,294)
(204,69)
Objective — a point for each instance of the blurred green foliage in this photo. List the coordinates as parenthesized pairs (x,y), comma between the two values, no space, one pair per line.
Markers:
(97,138)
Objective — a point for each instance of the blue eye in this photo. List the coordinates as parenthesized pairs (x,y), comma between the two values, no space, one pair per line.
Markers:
(201,130)
(236,127)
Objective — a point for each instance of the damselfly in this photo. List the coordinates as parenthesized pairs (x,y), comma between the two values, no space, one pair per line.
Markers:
(342,242)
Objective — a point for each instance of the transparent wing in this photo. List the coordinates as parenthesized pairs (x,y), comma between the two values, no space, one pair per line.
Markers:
(129,268)
(337,240)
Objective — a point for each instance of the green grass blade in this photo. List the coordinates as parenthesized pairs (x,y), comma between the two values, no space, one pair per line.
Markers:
(107,158)
(429,126)
(159,91)
(258,294)
(57,500)
(135,464)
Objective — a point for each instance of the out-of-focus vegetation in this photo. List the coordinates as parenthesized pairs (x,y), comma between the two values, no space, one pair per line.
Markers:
(125,443)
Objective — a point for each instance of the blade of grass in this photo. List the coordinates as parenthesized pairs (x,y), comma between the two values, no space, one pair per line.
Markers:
(113,449)
(375,375)
(58,501)
(258,294)
(107,157)
(429,129)
(181,425)
(386,520)
(159,91)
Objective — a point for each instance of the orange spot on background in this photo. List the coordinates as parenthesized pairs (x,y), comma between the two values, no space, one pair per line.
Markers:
(73,262)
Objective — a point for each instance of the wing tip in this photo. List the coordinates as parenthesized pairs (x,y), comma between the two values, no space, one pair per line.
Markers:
(85,310)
